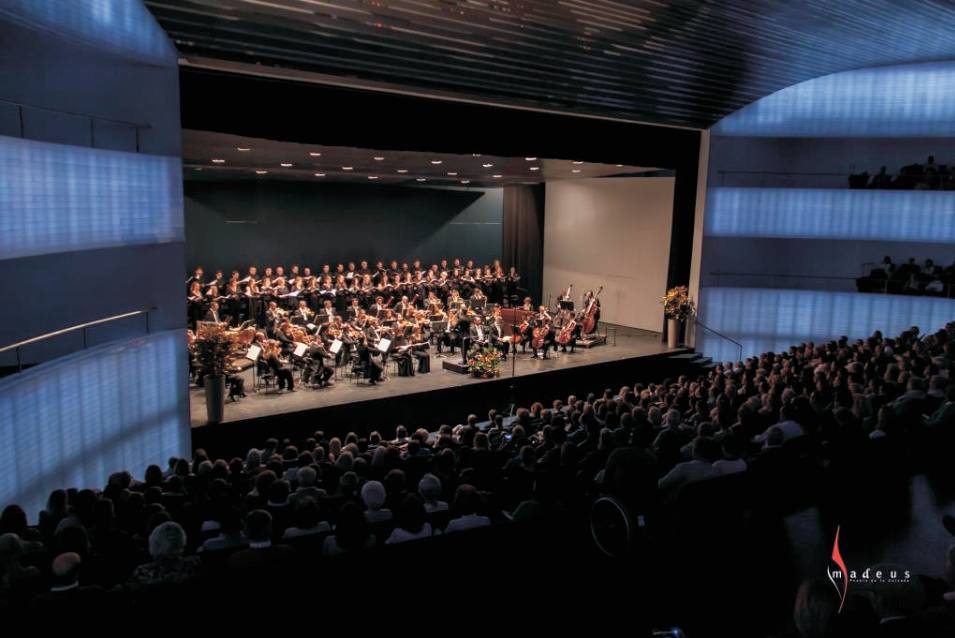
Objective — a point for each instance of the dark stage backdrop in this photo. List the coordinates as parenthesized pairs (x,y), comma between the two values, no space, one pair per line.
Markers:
(524,235)
(235,224)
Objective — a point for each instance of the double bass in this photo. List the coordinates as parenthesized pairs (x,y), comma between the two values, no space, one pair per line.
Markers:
(590,314)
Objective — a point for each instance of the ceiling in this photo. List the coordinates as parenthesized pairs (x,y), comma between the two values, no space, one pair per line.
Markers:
(686,63)
(325,163)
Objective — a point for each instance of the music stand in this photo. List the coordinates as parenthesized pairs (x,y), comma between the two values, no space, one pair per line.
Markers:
(566,304)
(253,355)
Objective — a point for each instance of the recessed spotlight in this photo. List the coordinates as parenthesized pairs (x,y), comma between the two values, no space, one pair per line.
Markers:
(402,170)
(535,168)
(475,155)
(197,168)
(436,162)
(243,148)
(487,165)
(319,174)
(378,158)
(619,165)
(218,161)
(465,181)
(286,164)
(421,179)
(497,176)
(576,170)
(261,172)
(348,168)
(314,153)
(452,174)
(578,163)
(372,177)
(531,159)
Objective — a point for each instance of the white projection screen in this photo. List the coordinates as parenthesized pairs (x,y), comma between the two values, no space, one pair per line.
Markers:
(73,421)
(615,233)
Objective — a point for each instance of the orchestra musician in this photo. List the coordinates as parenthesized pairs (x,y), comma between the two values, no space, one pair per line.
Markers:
(316,372)
(370,359)
(544,324)
(213,313)
(269,361)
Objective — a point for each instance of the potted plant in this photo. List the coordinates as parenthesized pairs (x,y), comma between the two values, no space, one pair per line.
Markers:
(214,349)
(485,363)
(678,307)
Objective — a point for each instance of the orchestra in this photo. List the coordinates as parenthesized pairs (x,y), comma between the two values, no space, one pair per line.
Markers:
(369,316)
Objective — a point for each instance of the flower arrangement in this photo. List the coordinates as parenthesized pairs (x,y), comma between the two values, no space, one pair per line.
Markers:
(677,303)
(214,348)
(485,362)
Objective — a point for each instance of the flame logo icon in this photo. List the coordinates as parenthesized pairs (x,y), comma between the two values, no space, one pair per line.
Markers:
(843,589)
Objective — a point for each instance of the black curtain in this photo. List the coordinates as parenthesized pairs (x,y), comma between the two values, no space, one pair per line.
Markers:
(524,235)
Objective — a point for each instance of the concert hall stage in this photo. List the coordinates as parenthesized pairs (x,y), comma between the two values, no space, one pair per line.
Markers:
(427,400)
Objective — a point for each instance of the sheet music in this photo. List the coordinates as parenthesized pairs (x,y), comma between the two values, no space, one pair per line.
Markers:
(300,349)
(253,353)
(383,345)
(335,346)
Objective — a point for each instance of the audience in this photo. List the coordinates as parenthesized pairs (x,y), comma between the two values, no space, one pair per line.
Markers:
(821,404)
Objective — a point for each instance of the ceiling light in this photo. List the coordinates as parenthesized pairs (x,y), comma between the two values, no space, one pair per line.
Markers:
(531,159)
(619,165)
(218,161)
(576,170)
(452,174)
(372,177)
(348,168)
(465,181)
(421,179)
(402,170)
(261,172)
(378,158)
(198,168)
(286,164)
(475,155)
(436,162)
(243,148)
(578,163)
(487,165)
(314,153)
(319,174)
(498,176)
(535,168)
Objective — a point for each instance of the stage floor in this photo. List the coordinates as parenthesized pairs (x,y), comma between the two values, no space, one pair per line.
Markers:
(630,343)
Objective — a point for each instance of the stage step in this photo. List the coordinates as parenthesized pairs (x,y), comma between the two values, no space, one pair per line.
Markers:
(596,340)
(455,366)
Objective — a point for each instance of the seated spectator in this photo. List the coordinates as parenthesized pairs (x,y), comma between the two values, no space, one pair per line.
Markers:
(166,545)
(467,502)
(351,533)
(944,416)
(18,581)
(66,595)
(699,468)
(230,532)
(262,555)
(732,461)
(430,489)
(306,520)
(410,523)
(787,425)
(373,496)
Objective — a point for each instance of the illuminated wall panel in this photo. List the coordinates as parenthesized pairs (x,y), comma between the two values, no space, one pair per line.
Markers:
(57,198)
(121,25)
(73,421)
(772,319)
(922,216)
(894,101)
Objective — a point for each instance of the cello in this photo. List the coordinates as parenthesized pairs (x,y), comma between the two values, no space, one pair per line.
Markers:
(566,332)
(590,314)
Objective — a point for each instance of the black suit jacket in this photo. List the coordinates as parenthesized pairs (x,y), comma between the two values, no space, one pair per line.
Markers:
(210,317)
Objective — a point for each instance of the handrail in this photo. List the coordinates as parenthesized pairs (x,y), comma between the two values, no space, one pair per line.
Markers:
(80,326)
(763,274)
(136,126)
(739,346)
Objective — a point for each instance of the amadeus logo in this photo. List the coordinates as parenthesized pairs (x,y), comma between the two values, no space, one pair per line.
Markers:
(840,576)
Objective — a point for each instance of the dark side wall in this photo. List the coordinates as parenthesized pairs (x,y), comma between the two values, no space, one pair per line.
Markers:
(231,225)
